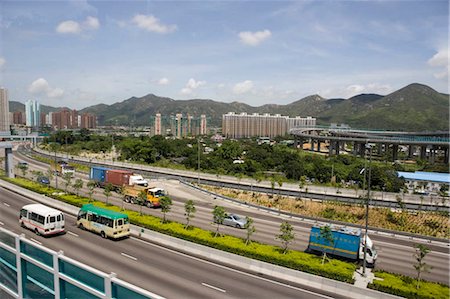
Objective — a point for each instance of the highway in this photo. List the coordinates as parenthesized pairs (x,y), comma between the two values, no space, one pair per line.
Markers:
(160,270)
(395,252)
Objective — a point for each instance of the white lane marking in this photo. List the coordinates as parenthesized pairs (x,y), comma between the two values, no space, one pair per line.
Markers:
(233,270)
(1,223)
(128,256)
(71,233)
(35,241)
(6,204)
(213,287)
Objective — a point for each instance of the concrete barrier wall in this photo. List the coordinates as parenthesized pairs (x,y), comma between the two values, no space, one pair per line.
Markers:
(314,281)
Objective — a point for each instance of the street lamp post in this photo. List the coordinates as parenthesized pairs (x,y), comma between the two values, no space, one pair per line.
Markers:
(369,147)
(198,162)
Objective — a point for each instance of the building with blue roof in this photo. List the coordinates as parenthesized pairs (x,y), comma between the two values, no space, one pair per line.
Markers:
(425,182)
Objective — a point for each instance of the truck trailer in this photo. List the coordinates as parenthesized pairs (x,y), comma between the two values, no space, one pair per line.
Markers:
(117,178)
(347,243)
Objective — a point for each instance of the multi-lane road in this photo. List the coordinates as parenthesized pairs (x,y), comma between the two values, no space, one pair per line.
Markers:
(160,270)
(395,252)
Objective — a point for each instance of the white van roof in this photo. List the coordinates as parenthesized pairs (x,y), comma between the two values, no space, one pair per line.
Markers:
(41,209)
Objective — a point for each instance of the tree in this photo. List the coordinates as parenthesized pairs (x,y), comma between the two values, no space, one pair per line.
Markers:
(219,215)
(250,229)
(272,184)
(107,192)
(166,205)
(49,174)
(421,266)
(67,180)
(78,185)
(189,210)
(286,235)
(142,198)
(326,235)
(23,168)
(302,182)
(36,174)
(91,186)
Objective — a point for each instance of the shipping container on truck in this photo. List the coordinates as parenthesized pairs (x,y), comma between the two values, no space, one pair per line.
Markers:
(348,243)
(118,178)
(98,175)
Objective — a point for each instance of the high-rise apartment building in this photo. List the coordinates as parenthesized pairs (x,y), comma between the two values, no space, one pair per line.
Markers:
(88,121)
(32,113)
(203,125)
(18,118)
(158,125)
(4,111)
(245,125)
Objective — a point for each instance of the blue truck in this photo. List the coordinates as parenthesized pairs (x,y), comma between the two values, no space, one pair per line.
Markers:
(347,243)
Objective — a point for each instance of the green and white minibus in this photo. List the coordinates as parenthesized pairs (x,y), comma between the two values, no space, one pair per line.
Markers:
(107,223)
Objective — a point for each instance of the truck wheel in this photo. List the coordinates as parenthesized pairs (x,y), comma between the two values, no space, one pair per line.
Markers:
(103,235)
(149,205)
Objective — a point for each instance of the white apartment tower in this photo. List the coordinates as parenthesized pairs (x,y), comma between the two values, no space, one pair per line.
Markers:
(245,125)
(158,126)
(4,111)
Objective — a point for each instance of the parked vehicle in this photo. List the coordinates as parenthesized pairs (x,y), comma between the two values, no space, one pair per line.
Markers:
(43,180)
(62,167)
(106,223)
(131,194)
(348,243)
(234,221)
(118,178)
(42,219)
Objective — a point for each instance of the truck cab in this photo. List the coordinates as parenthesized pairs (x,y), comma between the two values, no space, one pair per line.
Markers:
(372,253)
(137,179)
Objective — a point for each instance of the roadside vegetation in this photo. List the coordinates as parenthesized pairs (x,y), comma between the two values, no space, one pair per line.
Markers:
(335,269)
(435,224)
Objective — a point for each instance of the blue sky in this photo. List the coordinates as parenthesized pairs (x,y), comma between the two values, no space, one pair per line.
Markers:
(81,53)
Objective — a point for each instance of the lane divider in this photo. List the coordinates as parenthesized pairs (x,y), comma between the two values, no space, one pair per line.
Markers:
(213,287)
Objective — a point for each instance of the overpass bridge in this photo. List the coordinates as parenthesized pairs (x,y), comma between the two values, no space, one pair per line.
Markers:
(430,145)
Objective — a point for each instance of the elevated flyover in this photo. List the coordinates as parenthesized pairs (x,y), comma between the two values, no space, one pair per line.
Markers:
(427,145)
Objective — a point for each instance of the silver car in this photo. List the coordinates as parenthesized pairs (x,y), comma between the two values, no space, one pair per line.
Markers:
(235,221)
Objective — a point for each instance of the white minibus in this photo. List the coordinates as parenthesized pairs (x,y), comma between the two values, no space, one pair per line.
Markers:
(41,219)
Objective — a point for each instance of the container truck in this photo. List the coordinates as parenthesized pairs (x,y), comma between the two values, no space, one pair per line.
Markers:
(131,194)
(118,178)
(62,167)
(347,243)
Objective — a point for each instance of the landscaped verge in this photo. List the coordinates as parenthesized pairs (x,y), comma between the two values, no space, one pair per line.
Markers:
(406,286)
(338,270)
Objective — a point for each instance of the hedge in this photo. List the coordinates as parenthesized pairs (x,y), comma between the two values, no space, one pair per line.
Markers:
(338,270)
(406,286)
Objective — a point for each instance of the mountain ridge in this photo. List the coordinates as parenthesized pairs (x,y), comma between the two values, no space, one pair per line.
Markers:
(413,107)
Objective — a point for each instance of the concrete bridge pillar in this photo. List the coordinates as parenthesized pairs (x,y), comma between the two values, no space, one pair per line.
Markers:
(394,152)
(446,156)
(337,147)
(423,152)
(318,145)
(362,149)
(410,151)
(9,167)
(432,156)
(312,144)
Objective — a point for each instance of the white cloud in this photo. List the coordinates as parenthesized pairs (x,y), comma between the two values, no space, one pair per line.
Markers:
(152,24)
(91,23)
(163,81)
(254,38)
(68,27)
(41,87)
(191,85)
(243,87)
(73,27)
(440,60)
(356,89)
(2,62)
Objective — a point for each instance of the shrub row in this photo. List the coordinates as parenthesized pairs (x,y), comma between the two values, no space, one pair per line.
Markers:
(406,286)
(338,270)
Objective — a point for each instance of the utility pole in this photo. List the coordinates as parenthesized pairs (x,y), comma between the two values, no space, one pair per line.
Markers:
(198,161)
(56,174)
(369,147)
